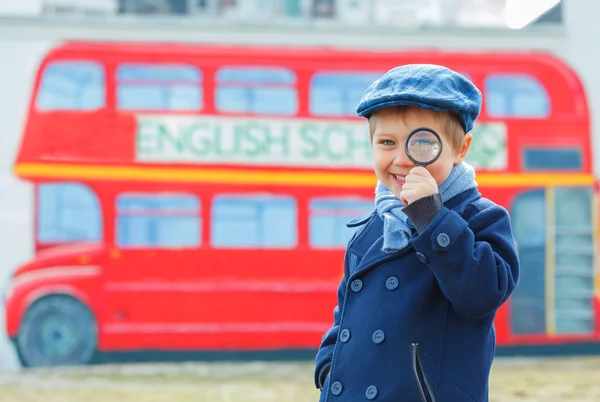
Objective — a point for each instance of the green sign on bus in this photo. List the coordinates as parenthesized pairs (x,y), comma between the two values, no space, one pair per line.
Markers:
(253,141)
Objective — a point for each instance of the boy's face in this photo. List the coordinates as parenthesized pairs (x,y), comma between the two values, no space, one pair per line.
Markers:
(390,131)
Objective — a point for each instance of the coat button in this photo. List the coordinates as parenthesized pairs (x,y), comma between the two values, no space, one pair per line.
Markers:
(421,257)
(391,283)
(345,335)
(356,285)
(371,392)
(443,240)
(378,336)
(336,388)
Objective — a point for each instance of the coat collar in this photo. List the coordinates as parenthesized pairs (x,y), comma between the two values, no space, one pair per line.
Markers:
(368,243)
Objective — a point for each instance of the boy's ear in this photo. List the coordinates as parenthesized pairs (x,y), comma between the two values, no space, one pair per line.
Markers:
(461,153)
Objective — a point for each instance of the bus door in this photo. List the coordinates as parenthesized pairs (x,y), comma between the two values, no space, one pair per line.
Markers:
(553,229)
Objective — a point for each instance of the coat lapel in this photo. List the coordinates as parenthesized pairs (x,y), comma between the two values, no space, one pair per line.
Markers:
(373,254)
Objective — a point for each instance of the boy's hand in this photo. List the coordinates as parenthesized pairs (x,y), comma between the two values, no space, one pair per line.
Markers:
(419,183)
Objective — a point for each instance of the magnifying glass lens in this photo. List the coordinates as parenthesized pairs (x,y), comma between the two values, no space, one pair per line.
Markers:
(423,146)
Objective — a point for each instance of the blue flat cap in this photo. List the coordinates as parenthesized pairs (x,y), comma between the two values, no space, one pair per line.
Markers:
(424,85)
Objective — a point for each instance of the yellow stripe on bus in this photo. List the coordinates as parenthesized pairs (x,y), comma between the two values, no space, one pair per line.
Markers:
(270,177)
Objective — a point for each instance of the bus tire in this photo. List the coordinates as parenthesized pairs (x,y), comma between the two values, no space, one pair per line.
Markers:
(57,330)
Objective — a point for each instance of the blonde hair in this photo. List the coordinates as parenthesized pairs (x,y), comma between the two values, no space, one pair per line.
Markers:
(454,131)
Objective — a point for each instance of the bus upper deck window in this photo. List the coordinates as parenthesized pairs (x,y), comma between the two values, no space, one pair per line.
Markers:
(515,95)
(71,85)
(552,159)
(173,87)
(257,90)
(338,93)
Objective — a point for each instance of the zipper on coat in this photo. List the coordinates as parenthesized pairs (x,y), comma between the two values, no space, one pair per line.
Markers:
(420,377)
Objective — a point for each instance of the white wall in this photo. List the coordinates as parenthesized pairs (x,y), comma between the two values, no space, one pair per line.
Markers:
(584,33)
(21,7)
(24,41)
(17,72)
(17,69)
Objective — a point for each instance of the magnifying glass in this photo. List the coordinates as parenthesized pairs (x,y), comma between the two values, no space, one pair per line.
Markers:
(423,146)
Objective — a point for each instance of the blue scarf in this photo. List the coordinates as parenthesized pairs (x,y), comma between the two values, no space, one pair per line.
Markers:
(396,232)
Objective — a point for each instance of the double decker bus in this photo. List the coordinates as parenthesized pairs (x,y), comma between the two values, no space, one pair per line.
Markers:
(194,197)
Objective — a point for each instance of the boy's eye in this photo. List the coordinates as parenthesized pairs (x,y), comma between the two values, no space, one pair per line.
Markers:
(387,142)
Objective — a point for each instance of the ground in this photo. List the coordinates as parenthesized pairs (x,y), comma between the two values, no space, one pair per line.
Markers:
(513,380)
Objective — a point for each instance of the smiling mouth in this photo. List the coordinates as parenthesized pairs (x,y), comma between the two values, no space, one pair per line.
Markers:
(399,179)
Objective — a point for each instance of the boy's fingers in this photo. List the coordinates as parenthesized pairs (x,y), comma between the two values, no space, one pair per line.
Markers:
(410,186)
(419,171)
(413,178)
(405,194)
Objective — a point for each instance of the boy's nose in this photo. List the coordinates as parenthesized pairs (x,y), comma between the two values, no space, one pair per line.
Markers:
(401,159)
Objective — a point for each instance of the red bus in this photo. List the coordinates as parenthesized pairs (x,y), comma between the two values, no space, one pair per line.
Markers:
(193,197)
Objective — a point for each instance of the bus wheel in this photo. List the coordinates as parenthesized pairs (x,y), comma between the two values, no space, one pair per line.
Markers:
(57,330)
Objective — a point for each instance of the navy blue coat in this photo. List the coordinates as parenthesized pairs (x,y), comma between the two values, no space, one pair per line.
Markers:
(417,325)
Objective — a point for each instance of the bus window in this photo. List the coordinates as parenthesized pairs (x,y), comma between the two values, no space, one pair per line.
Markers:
(528,302)
(328,218)
(338,93)
(257,90)
(515,95)
(71,85)
(574,260)
(551,159)
(254,221)
(68,212)
(158,220)
(159,87)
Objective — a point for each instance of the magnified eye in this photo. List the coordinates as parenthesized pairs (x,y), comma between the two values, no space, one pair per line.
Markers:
(424,143)
(423,146)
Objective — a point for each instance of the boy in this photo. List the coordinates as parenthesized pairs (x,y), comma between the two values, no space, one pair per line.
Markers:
(427,270)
